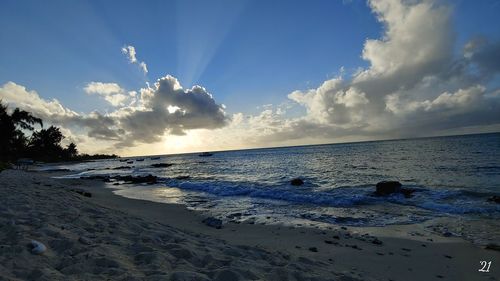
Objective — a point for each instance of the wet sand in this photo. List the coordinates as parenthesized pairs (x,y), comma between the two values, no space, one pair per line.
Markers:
(109,237)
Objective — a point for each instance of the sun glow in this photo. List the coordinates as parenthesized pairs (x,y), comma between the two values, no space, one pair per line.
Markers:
(190,142)
(172,109)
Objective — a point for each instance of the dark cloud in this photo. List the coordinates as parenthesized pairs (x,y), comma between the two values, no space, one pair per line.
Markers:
(168,108)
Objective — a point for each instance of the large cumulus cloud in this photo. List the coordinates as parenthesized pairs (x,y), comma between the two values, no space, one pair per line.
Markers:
(169,108)
(414,84)
(165,108)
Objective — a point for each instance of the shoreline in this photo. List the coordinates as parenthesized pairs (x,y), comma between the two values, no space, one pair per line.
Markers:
(344,253)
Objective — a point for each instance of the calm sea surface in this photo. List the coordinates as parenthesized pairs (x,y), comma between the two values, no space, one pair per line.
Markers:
(453,176)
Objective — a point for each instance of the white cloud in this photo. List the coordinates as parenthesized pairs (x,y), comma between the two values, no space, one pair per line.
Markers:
(103,88)
(130,52)
(18,96)
(111,92)
(143,67)
(463,99)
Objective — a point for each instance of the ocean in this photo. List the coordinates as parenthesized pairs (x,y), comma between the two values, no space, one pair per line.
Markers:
(453,177)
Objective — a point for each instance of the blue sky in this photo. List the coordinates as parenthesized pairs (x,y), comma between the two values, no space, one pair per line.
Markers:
(246,53)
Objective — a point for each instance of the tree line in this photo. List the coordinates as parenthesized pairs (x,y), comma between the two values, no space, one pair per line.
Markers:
(20,139)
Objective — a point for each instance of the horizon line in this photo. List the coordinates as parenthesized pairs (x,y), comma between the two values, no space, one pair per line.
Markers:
(307,145)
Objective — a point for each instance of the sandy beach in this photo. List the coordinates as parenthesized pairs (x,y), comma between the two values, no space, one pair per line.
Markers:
(102,236)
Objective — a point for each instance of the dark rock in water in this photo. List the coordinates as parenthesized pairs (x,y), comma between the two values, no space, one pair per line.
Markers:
(376,241)
(495,199)
(122,168)
(297,182)
(161,165)
(150,179)
(96,177)
(388,187)
(58,170)
(182,177)
(234,215)
(407,192)
(213,222)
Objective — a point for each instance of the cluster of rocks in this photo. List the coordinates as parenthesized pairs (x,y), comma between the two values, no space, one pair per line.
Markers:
(385,188)
(122,168)
(149,179)
(161,165)
(213,222)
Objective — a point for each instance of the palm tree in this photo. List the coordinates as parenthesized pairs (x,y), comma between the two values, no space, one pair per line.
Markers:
(25,120)
(12,140)
(70,151)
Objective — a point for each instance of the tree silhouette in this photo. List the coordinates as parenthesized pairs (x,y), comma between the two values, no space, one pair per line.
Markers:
(42,145)
(46,144)
(70,151)
(13,141)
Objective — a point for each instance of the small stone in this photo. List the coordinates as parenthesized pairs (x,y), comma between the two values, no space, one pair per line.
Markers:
(84,241)
(493,247)
(355,247)
(313,249)
(213,222)
(37,247)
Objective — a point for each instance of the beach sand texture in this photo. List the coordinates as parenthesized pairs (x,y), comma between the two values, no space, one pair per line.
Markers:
(108,237)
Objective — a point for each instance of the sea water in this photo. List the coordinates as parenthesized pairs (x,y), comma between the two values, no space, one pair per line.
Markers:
(453,177)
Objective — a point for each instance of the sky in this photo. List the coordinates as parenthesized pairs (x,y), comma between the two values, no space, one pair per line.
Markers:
(159,77)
